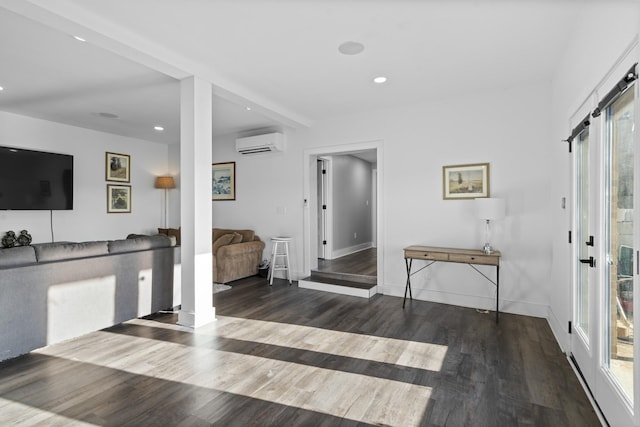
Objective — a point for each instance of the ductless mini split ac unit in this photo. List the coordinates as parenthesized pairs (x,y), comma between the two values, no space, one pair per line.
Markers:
(260,143)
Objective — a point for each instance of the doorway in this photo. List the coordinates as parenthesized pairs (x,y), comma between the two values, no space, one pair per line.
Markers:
(331,245)
(346,245)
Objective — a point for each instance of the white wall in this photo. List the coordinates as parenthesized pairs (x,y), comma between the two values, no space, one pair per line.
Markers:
(600,35)
(89,219)
(507,128)
(268,194)
(351,205)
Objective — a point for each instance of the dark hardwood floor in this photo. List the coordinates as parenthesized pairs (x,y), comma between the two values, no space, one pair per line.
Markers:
(360,263)
(284,356)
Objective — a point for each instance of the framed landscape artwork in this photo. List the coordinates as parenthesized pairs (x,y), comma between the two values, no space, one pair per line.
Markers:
(118,167)
(465,181)
(118,198)
(223,181)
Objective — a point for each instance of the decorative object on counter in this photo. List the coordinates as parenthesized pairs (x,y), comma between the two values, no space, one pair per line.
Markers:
(9,239)
(489,209)
(24,239)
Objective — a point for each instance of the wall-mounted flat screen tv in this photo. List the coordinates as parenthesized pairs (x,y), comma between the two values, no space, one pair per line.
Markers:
(35,180)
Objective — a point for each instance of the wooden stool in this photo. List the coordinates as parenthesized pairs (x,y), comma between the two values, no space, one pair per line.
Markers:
(282,256)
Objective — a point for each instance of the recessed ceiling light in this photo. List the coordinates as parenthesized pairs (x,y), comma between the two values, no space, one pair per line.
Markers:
(1,88)
(380,79)
(351,48)
(158,128)
(80,39)
(248,108)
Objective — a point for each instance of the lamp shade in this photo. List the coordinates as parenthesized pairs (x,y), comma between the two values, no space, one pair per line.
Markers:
(165,182)
(490,208)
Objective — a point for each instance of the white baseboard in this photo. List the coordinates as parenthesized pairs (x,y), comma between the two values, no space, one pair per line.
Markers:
(559,330)
(472,301)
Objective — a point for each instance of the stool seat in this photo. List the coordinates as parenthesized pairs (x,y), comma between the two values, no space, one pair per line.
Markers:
(280,257)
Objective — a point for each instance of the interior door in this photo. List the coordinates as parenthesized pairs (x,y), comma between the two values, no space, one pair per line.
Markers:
(583,335)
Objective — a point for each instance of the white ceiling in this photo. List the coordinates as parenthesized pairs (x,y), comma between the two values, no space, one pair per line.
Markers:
(278,56)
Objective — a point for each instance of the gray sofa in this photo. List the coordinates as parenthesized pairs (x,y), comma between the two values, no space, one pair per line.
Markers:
(56,291)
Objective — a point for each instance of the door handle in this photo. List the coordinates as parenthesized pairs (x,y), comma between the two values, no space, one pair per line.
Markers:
(589,242)
(591,261)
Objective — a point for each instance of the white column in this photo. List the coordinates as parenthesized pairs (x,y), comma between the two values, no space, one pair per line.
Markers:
(195,203)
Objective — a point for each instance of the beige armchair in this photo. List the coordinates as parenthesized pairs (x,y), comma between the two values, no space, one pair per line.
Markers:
(236,254)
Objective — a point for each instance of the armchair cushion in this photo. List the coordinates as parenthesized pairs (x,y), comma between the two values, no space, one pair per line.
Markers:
(223,240)
(247,235)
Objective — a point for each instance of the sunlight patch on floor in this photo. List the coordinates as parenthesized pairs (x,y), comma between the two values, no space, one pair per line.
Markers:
(25,415)
(341,394)
(367,347)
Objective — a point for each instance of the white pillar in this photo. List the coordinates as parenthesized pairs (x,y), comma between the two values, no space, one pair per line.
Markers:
(195,203)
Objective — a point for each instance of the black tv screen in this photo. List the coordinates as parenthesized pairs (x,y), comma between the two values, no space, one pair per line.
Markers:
(35,180)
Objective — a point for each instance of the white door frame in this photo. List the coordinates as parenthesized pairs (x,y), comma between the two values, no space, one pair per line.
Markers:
(310,224)
(327,224)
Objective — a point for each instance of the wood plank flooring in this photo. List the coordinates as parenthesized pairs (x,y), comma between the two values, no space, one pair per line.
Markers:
(363,263)
(284,356)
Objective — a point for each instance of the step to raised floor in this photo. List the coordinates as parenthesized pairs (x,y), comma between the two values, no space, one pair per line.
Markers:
(338,286)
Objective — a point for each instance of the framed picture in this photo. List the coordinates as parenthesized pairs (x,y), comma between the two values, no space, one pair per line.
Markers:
(118,198)
(223,181)
(465,181)
(118,167)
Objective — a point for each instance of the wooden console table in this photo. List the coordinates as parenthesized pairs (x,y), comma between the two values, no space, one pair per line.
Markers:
(463,256)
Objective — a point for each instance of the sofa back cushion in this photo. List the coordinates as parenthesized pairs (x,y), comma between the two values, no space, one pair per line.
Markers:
(20,255)
(139,243)
(247,235)
(59,251)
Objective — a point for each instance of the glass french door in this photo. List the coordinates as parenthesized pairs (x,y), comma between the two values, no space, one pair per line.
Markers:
(619,243)
(605,254)
(583,337)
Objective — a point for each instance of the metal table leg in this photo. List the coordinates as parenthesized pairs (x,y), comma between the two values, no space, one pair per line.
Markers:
(407,263)
(497,292)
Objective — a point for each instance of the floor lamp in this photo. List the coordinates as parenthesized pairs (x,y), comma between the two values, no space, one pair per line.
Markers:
(165,182)
(489,209)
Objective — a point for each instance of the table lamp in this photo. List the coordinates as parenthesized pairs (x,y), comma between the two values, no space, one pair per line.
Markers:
(165,182)
(489,209)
